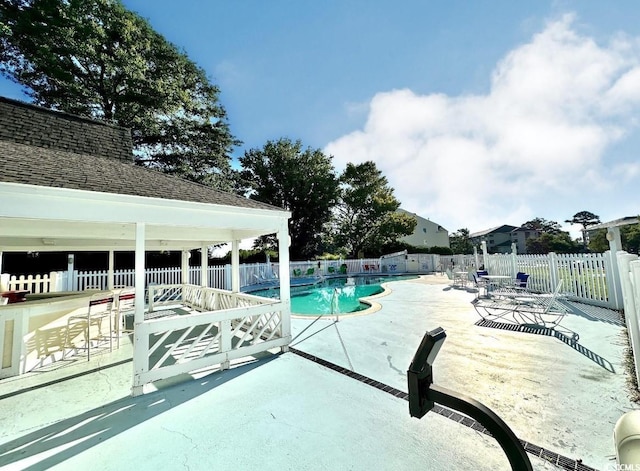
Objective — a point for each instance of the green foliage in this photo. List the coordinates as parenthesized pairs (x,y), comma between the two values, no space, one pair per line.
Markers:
(542,225)
(598,242)
(366,216)
(585,219)
(301,181)
(629,235)
(95,58)
(460,242)
(546,242)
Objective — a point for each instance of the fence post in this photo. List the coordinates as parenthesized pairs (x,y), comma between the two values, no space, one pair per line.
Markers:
(554,276)
(614,283)
(630,307)
(514,259)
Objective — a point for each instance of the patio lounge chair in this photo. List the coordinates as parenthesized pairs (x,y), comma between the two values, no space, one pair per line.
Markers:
(534,310)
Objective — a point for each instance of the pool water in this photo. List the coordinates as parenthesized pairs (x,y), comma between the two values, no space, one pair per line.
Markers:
(333,295)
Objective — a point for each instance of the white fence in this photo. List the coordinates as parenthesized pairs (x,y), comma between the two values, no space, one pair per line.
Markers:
(629,268)
(585,277)
(32,283)
(224,326)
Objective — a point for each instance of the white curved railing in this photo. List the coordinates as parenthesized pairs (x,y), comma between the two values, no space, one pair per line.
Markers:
(217,327)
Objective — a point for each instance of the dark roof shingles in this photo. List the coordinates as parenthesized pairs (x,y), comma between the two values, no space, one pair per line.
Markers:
(21,163)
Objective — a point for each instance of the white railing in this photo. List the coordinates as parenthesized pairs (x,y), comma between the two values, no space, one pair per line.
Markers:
(223,326)
(585,277)
(629,269)
(34,283)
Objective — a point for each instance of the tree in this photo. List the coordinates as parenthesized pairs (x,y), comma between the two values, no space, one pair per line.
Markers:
(366,216)
(301,181)
(460,242)
(543,226)
(96,59)
(546,242)
(585,219)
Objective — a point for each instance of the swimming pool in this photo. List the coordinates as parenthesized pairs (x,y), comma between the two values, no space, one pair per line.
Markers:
(334,295)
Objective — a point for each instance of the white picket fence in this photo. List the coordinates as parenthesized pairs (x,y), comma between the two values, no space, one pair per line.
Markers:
(629,269)
(585,277)
(33,283)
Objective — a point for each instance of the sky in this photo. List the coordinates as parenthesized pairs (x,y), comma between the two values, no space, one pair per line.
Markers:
(478,113)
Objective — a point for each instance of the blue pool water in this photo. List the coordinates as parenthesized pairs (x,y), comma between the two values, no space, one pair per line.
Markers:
(333,295)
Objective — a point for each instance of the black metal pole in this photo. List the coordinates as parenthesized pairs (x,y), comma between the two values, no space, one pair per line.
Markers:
(495,425)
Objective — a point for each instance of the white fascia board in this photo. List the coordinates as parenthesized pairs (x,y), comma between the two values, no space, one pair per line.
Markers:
(38,202)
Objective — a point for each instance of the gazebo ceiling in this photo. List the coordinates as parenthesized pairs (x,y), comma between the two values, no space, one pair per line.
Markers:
(59,219)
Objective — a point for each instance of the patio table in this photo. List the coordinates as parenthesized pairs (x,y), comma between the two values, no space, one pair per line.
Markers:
(496,281)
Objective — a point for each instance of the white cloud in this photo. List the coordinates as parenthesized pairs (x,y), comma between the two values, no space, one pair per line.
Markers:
(528,148)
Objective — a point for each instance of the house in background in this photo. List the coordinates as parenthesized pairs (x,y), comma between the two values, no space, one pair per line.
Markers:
(498,239)
(520,236)
(426,233)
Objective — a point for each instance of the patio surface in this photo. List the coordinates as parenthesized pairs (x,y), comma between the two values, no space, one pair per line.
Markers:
(282,411)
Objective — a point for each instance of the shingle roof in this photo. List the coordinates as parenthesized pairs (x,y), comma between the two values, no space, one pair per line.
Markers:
(20,163)
(503,228)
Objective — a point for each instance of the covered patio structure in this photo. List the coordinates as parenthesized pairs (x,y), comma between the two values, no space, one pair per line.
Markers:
(59,195)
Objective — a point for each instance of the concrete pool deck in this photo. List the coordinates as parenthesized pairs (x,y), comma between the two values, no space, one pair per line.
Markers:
(286,412)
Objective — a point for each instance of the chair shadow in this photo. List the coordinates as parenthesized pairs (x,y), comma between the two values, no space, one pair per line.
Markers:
(539,330)
(91,428)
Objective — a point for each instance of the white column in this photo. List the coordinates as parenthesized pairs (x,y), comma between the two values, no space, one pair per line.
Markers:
(0,261)
(140,273)
(235,266)
(204,266)
(185,267)
(141,342)
(615,245)
(110,282)
(70,269)
(631,309)
(283,275)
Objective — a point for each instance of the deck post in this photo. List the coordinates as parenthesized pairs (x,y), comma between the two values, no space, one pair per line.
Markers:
(185,267)
(283,276)
(110,283)
(204,266)
(235,266)
(141,342)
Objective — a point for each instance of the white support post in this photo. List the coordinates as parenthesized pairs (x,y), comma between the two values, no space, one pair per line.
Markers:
(283,275)
(141,342)
(631,309)
(615,245)
(204,266)
(235,266)
(0,261)
(70,261)
(185,267)
(110,283)
(514,259)
(485,257)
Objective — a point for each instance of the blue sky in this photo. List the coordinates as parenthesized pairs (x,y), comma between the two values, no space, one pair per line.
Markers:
(478,113)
